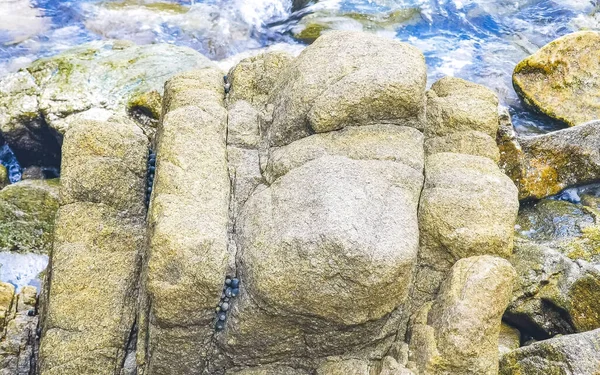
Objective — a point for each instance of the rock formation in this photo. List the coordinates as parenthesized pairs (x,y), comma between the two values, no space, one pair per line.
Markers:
(300,216)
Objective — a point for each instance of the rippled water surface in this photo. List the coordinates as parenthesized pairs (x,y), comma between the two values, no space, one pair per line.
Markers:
(480,40)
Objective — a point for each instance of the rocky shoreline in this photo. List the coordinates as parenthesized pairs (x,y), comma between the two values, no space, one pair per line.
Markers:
(371,226)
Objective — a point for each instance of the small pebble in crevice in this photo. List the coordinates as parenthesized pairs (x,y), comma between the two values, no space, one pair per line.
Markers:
(226,84)
(150,176)
(230,290)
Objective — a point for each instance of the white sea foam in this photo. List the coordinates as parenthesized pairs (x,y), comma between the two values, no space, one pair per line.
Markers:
(21,269)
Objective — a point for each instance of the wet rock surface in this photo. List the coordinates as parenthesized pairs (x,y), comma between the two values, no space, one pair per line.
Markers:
(112,75)
(571,355)
(544,165)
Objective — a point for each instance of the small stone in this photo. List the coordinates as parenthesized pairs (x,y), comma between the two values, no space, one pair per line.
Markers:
(226,299)
(225,79)
(31,313)
(235,292)
(227,281)
(225,306)
(152,168)
(223,296)
(228,292)
(235,283)
(222,316)
(149,189)
(218,309)
(220,325)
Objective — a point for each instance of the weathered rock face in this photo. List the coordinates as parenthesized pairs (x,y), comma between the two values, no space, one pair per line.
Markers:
(318,94)
(544,165)
(556,259)
(18,324)
(253,79)
(188,254)
(289,207)
(560,80)
(468,206)
(458,333)
(570,355)
(35,103)
(27,211)
(98,244)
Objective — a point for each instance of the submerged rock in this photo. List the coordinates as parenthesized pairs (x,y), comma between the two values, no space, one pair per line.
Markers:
(576,354)
(111,75)
(561,79)
(27,211)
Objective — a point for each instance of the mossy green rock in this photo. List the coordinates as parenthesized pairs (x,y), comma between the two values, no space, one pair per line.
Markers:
(27,211)
(561,79)
(566,355)
(111,75)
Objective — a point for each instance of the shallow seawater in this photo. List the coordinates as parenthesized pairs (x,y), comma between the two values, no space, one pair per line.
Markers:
(22,269)
(479,40)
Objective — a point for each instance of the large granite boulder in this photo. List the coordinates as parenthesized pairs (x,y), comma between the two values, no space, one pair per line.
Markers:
(319,94)
(458,333)
(188,218)
(576,354)
(27,211)
(100,237)
(561,79)
(543,165)
(36,102)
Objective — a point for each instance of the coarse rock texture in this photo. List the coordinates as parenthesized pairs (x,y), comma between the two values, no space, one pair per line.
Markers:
(99,241)
(343,235)
(556,257)
(576,354)
(254,78)
(27,211)
(543,165)
(372,142)
(458,333)
(319,94)
(17,330)
(317,185)
(455,105)
(188,220)
(554,294)
(468,206)
(112,75)
(509,339)
(561,79)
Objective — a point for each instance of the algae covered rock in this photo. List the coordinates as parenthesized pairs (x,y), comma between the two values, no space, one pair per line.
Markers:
(575,354)
(35,102)
(554,294)
(544,165)
(458,333)
(561,79)
(318,94)
(27,211)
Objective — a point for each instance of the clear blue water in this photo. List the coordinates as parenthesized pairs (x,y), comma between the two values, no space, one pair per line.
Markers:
(479,40)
